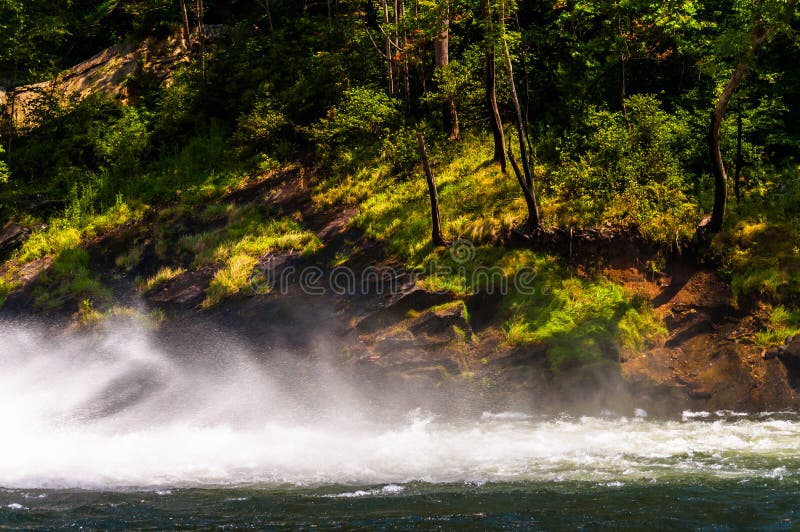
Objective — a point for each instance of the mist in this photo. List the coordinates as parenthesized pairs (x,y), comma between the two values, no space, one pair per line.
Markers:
(118,407)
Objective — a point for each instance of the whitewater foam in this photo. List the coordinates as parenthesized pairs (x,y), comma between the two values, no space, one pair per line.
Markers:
(113,410)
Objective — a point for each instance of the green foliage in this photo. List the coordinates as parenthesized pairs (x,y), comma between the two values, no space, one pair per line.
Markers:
(262,125)
(4,172)
(628,173)
(783,323)
(69,279)
(763,259)
(122,145)
(360,121)
(582,321)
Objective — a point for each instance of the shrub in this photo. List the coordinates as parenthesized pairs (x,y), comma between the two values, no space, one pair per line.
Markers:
(630,174)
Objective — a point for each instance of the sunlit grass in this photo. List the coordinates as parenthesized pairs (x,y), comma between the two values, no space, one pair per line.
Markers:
(163,275)
(783,323)
(230,279)
(578,320)
(237,247)
(71,230)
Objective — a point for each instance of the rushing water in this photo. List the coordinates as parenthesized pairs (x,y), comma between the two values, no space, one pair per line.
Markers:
(108,429)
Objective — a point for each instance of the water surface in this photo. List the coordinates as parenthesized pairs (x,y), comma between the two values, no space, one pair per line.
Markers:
(108,430)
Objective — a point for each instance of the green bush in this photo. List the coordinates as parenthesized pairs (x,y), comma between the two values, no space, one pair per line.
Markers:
(360,122)
(4,172)
(628,173)
(263,126)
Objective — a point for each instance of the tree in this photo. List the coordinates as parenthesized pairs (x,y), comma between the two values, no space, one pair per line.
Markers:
(758,22)
(528,188)
(436,225)
(442,62)
(490,85)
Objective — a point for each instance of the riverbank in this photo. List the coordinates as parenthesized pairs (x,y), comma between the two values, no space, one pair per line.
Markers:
(664,341)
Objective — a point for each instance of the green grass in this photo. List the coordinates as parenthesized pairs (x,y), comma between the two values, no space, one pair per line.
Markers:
(230,279)
(578,320)
(582,321)
(247,236)
(783,323)
(762,259)
(70,230)
(69,279)
(163,275)
(248,232)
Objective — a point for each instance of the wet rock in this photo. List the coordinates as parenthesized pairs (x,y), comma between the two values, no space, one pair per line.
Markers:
(440,323)
(397,341)
(792,348)
(699,393)
(186,289)
(11,237)
(416,299)
(698,324)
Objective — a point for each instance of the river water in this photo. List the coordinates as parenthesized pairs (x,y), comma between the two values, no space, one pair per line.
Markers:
(108,430)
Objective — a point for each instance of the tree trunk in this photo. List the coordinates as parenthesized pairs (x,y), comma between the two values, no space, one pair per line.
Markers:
(442,60)
(737,176)
(389,65)
(436,233)
(490,83)
(530,196)
(518,111)
(201,35)
(717,164)
(623,96)
(187,30)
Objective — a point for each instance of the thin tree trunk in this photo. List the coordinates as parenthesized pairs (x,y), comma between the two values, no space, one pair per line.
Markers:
(737,177)
(518,110)
(187,30)
(201,37)
(715,151)
(442,60)
(436,232)
(490,83)
(389,65)
(526,86)
(623,96)
(530,196)
(269,16)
